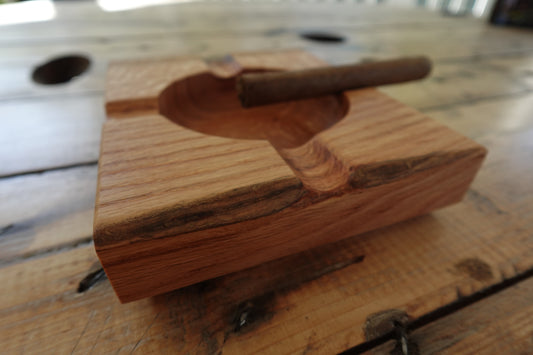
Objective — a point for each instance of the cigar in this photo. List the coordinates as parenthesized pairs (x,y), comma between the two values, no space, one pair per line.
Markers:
(256,89)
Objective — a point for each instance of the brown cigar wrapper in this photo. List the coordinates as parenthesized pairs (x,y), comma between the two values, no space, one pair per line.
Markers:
(256,89)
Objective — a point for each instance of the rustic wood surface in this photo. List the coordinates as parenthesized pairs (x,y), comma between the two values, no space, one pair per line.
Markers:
(497,324)
(237,187)
(317,301)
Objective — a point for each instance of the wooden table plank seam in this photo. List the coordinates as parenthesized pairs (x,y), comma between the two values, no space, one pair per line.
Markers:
(91,163)
(432,319)
(165,33)
(41,253)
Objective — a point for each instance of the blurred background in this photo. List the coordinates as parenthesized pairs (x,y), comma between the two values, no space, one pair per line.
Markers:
(508,12)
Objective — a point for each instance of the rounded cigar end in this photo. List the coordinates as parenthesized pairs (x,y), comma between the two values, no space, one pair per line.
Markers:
(425,66)
(241,92)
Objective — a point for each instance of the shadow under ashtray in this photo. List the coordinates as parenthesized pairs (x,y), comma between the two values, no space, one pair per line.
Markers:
(209,104)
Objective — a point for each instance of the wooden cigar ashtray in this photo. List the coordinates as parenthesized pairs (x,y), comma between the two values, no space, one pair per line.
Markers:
(191,186)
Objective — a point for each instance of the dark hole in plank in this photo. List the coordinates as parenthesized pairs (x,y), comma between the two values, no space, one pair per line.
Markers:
(323,37)
(61,69)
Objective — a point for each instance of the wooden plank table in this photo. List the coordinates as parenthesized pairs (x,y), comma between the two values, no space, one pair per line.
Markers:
(458,280)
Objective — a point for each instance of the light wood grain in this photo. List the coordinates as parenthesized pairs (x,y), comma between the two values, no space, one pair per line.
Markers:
(501,116)
(228,204)
(44,314)
(50,133)
(253,16)
(45,212)
(460,83)
(18,72)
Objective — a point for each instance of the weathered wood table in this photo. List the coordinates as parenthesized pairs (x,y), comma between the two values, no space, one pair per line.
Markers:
(459,280)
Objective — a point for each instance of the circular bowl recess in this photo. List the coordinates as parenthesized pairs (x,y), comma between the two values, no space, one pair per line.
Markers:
(209,104)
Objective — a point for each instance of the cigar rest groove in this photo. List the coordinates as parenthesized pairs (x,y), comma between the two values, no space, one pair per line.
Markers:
(191,186)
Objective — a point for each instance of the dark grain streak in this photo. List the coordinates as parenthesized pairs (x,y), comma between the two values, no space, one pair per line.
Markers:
(236,206)
(238,303)
(49,169)
(483,203)
(5,229)
(46,252)
(370,175)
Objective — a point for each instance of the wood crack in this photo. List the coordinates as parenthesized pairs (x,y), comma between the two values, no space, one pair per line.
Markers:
(50,169)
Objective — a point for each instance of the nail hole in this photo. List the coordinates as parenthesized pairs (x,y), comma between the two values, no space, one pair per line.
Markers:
(324,37)
(91,279)
(61,69)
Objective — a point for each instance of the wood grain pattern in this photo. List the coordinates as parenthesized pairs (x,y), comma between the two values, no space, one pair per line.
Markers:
(266,15)
(315,303)
(463,73)
(185,207)
(24,236)
(496,324)
(46,212)
(51,133)
(124,94)
(401,34)
(75,119)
